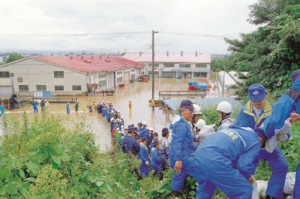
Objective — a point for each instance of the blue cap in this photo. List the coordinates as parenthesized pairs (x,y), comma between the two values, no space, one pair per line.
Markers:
(256,92)
(155,143)
(139,137)
(144,139)
(130,129)
(165,131)
(295,75)
(155,134)
(140,124)
(187,104)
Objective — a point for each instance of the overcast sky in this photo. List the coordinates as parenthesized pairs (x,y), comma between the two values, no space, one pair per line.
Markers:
(61,17)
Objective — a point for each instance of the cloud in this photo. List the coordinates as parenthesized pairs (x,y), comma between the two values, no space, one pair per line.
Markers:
(35,17)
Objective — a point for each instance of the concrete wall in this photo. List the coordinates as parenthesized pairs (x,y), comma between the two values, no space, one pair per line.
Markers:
(38,73)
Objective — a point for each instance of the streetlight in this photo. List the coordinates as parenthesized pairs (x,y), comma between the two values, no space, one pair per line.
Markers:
(153,32)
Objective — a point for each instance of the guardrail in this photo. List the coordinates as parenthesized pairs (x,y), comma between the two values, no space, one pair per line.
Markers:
(193,93)
(51,100)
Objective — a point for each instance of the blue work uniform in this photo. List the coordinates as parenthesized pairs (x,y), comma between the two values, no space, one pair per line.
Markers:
(144,156)
(144,132)
(276,159)
(68,108)
(103,111)
(121,123)
(216,156)
(151,145)
(140,129)
(182,149)
(149,138)
(35,109)
(1,110)
(112,124)
(130,145)
(155,162)
(283,108)
(108,116)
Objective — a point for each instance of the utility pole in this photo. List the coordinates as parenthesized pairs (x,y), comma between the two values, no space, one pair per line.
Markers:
(153,32)
(223,83)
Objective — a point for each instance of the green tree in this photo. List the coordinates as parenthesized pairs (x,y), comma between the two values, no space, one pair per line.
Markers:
(14,57)
(271,53)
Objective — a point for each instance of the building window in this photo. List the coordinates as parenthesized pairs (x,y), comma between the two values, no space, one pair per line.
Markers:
(76,88)
(169,65)
(155,65)
(59,88)
(185,66)
(119,79)
(142,72)
(201,66)
(41,87)
(119,73)
(203,74)
(132,76)
(23,88)
(4,74)
(133,70)
(102,83)
(155,73)
(102,75)
(58,74)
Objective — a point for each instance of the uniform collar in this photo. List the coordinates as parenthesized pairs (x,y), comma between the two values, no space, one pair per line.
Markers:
(296,84)
(267,111)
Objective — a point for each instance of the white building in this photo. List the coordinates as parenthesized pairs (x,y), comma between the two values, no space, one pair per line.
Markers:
(171,65)
(65,75)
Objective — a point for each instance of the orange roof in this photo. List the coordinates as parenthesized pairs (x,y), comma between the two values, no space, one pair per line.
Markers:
(91,63)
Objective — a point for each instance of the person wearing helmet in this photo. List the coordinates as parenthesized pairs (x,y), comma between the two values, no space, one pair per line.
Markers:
(150,137)
(144,131)
(121,122)
(200,124)
(225,110)
(164,149)
(252,115)
(216,155)
(144,156)
(196,117)
(140,127)
(112,124)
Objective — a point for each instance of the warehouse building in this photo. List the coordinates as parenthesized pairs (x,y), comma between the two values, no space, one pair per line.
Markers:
(66,75)
(171,65)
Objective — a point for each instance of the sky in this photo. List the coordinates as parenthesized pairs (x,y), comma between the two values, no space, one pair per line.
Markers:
(106,26)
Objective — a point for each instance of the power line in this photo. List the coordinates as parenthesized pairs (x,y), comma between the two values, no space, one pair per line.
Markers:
(197,35)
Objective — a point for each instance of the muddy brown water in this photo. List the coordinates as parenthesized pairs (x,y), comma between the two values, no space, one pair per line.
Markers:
(139,93)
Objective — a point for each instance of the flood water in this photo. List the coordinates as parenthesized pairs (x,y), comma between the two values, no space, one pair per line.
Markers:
(139,93)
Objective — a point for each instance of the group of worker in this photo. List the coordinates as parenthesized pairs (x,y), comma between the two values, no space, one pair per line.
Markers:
(228,158)
(45,105)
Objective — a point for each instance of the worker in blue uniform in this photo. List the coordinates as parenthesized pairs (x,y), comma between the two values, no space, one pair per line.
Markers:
(108,115)
(34,105)
(139,126)
(144,130)
(164,149)
(155,138)
(150,137)
(121,123)
(155,161)
(254,114)
(1,109)
(144,156)
(131,147)
(216,156)
(283,109)
(68,108)
(112,124)
(182,148)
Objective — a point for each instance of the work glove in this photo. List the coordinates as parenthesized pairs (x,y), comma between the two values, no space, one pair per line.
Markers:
(281,137)
(147,162)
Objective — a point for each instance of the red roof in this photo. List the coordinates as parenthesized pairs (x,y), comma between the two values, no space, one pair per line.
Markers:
(91,63)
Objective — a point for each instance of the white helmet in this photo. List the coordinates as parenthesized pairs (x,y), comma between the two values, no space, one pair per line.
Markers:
(224,107)
(198,110)
(200,124)
(117,129)
(122,126)
(151,129)
(112,119)
(145,123)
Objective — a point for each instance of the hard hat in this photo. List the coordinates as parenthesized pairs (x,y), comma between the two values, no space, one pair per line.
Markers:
(151,129)
(122,126)
(200,124)
(224,107)
(111,119)
(198,110)
(117,129)
(112,111)
(145,123)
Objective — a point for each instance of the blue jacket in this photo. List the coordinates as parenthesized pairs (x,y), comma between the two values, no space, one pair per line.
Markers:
(221,150)
(103,112)
(149,138)
(68,107)
(182,142)
(283,108)
(1,109)
(34,104)
(107,115)
(100,107)
(129,144)
(247,118)
(155,160)
(121,123)
(112,124)
(140,129)
(144,156)
(152,143)
(144,132)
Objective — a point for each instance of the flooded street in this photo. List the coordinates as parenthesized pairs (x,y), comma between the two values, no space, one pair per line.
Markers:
(139,93)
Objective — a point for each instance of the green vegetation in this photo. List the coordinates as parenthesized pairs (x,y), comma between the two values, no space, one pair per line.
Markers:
(14,57)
